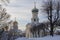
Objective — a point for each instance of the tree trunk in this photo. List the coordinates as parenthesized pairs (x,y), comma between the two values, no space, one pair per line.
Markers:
(51,32)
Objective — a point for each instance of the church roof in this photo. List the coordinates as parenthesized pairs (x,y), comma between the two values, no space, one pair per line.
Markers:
(35,10)
(15,22)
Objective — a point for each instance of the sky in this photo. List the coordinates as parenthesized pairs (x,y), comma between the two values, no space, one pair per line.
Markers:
(22,10)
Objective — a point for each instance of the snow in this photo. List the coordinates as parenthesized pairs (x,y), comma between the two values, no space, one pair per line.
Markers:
(56,37)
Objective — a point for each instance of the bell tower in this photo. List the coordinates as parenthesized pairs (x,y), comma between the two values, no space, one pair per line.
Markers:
(35,18)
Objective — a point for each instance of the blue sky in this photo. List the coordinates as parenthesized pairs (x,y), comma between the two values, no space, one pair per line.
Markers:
(21,9)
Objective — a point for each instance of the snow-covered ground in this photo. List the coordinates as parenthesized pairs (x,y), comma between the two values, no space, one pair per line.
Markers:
(56,37)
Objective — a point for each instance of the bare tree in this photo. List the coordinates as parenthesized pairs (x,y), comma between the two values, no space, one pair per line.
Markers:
(5,1)
(52,15)
(4,17)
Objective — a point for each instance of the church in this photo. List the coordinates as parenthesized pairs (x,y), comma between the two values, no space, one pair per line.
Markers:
(35,29)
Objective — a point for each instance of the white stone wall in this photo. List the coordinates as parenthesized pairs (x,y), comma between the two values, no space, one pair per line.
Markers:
(28,32)
(35,16)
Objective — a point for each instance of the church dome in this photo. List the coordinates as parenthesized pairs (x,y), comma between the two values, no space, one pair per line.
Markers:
(34,10)
(15,22)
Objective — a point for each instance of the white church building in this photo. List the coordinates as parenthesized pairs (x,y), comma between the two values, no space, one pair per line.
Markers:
(35,29)
(34,21)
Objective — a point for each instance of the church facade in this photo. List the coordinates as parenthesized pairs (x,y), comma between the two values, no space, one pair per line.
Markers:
(34,21)
(35,29)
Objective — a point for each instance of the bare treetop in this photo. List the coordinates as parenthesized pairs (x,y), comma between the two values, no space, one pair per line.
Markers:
(5,2)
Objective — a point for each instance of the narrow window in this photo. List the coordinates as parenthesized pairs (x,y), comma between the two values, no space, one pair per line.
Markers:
(34,19)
